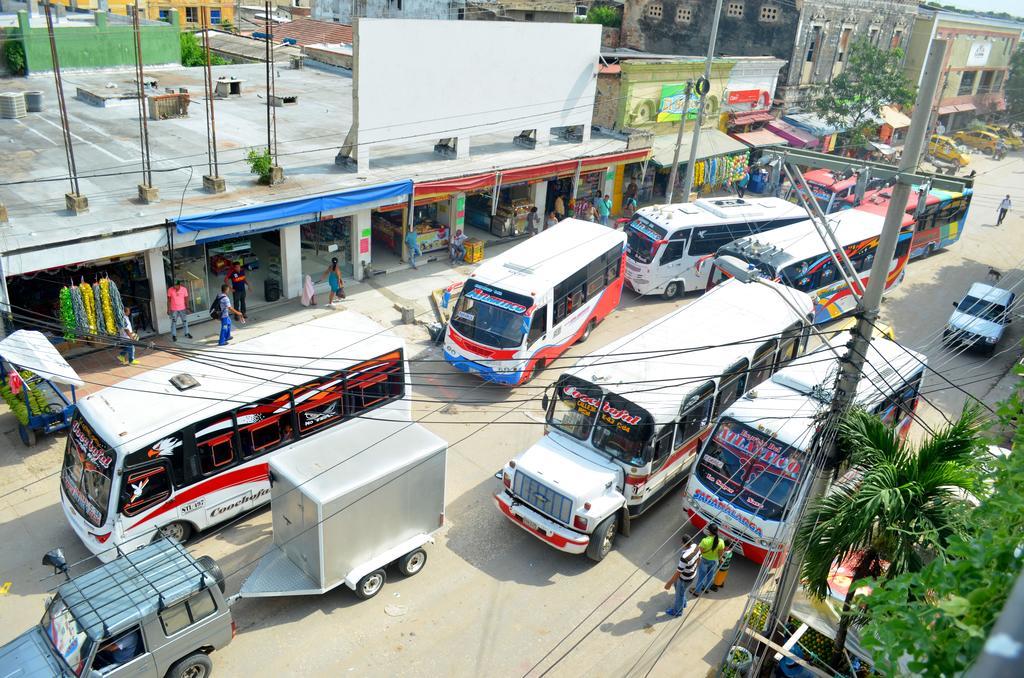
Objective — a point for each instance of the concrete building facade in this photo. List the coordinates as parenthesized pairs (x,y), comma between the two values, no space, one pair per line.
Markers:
(344,11)
(813,37)
(975,67)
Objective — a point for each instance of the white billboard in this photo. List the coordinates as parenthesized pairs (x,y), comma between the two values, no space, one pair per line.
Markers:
(978,55)
(418,80)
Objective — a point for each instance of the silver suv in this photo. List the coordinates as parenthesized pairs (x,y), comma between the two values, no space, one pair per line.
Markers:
(154,612)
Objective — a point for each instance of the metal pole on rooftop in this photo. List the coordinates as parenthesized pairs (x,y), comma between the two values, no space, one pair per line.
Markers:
(147,166)
(867,313)
(266,37)
(679,144)
(688,177)
(211,120)
(69,150)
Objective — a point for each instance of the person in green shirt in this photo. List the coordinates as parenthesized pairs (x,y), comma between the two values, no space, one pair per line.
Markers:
(712,548)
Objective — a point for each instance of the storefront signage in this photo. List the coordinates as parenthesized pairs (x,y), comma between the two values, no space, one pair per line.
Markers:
(479,294)
(607,411)
(768,451)
(978,56)
(673,99)
(743,96)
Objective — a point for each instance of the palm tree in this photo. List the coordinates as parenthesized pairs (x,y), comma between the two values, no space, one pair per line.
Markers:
(900,501)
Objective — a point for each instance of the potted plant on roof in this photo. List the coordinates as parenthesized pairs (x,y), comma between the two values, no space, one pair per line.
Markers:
(739,659)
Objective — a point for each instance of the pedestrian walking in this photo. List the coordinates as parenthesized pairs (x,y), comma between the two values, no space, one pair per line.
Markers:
(560,207)
(552,220)
(742,182)
(604,209)
(177,297)
(1004,207)
(629,206)
(226,310)
(127,337)
(723,570)
(239,285)
(532,221)
(333,277)
(686,572)
(413,243)
(711,549)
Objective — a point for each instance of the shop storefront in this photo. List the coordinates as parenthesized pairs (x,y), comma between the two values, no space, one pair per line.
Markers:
(50,300)
(720,160)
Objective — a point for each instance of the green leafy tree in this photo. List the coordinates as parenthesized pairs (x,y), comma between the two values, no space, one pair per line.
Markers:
(605,15)
(935,621)
(14,55)
(1015,85)
(872,78)
(902,499)
(192,53)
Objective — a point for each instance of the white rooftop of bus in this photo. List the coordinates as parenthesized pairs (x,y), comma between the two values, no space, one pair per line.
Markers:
(146,407)
(783,246)
(731,312)
(786,405)
(712,211)
(546,259)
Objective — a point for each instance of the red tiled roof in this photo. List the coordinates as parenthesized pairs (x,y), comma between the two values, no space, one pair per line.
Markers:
(307,31)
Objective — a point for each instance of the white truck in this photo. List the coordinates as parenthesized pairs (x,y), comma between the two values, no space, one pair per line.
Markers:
(622,431)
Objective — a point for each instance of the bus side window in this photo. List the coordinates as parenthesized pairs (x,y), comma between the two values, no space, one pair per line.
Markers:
(673,251)
(696,414)
(373,383)
(731,387)
(215,443)
(559,311)
(144,488)
(798,276)
(270,427)
(662,447)
(612,264)
(764,359)
(790,346)
(538,326)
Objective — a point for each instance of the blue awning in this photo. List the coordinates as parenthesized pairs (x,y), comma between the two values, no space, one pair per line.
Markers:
(291,208)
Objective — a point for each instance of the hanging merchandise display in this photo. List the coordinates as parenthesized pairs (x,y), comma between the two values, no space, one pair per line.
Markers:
(78,307)
(89,302)
(109,325)
(714,173)
(116,304)
(67,314)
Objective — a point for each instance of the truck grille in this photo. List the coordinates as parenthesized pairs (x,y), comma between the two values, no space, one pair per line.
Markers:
(543,498)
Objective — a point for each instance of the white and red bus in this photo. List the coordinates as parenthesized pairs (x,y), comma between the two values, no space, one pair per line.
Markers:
(751,475)
(522,309)
(185,446)
(797,256)
(624,424)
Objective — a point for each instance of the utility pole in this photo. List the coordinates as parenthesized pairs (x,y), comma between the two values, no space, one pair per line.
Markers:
(688,180)
(679,144)
(867,312)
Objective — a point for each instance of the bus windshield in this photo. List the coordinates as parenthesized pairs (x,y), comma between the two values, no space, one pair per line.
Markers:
(747,468)
(822,194)
(641,239)
(574,407)
(622,430)
(88,471)
(492,316)
(66,635)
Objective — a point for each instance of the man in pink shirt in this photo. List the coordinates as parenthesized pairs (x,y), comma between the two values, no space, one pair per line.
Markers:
(176,298)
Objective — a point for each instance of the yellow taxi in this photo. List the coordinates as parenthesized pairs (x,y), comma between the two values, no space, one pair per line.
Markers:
(1012,141)
(944,148)
(985,142)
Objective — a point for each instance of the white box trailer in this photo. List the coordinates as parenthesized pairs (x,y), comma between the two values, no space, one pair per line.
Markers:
(345,509)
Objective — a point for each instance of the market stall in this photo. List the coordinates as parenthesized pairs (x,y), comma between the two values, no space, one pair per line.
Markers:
(31,369)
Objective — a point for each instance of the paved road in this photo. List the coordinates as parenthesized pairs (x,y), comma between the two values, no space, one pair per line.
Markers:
(492,599)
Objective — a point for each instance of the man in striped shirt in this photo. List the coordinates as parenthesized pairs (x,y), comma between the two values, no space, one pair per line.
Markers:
(686,571)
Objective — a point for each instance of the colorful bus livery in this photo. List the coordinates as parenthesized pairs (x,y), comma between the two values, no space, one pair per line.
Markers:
(937,224)
(186,446)
(522,309)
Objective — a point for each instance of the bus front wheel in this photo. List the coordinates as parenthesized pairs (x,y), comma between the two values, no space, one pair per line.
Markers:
(177,531)
(673,290)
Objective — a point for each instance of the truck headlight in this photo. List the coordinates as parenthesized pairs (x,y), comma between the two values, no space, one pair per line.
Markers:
(991,340)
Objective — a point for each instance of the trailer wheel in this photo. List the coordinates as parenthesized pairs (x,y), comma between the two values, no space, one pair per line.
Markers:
(603,538)
(411,563)
(28,435)
(370,585)
(196,665)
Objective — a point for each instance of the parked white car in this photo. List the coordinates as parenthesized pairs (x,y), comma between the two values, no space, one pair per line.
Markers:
(980,318)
